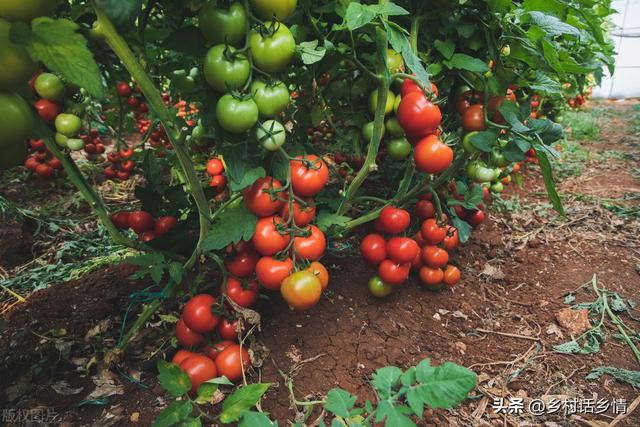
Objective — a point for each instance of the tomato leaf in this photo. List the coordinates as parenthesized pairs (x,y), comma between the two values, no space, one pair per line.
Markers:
(552,25)
(256,419)
(233,225)
(241,400)
(247,179)
(446,48)
(484,141)
(462,61)
(445,385)
(173,414)
(172,378)
(310,52)
(400,43)
(547,177)
(340,402)
(358,15)
(384,379)
(57,44)
(326,220)
(510,111)
(205,392)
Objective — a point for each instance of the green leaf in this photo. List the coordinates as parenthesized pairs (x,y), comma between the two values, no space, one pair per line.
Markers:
(310,52)
(205,393)
(400,43)
(340,402)
(463,227)
(122,13)
(552,25)
(256,419)
(485,140)
(446,48)
(445,385)
(462,61)
(189,422)
(176,272)
(151,170)
(173,414)
(509,111)
(57,44)
(623,375)
(549,182)
(544,83)
(384,379)
(548,131)
(358,15)
(326,220)
(248,179)
(233,225)
(241,400)
(172,378)
(187,40)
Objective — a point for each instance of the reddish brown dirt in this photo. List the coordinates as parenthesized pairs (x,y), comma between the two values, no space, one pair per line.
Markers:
(350,334)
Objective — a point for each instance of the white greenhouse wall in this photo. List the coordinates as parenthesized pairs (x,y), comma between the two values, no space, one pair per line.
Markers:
(625,82)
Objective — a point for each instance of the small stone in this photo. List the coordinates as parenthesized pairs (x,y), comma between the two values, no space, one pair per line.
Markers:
(574,321)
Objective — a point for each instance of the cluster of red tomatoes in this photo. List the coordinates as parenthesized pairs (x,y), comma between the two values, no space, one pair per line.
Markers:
(427,252)
(143,224)
(470,106)
(188,112)
(215,169)
(41,162)
(93,145)
(577,101)
(121,165)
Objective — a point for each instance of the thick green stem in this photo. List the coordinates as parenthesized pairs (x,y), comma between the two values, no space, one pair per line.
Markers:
(154,100)
(378,123)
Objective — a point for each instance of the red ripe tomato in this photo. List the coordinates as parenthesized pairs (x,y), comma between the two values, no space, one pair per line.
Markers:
(55,163)
(147,236)
(373,249)
(133,101)
(309,175)
(212,351)
(431,277)
(181,355)
(432,232)
(164,224)
(187,336)
(243,264)
(232,361)
(45,171)
(228,330)
(198,314)
(215,167)
(270,272)
(432,155)
(199,368)
(416,263)
(425,209)
(218,182)
(113,157)
(47,110)
(245,294)
(321,272)
(120,219)
(140,221)
(125,153)
(394,220)
(493,108)
(417,115)
(127,165)
(476,218)
(31,163)
(402,249)
(123,176)
(394,273)
(311,247)
(409,86)
(301,216)
(109,172)
(267,240)
(451,275)
(451,240)
(123,89)
(259,199)
(473,118)
(434,257)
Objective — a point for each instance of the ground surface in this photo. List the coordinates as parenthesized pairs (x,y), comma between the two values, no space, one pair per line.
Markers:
(500,320)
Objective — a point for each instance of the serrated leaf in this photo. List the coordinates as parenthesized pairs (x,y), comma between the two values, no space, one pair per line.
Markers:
(256,419)
(484,141)
(176,272)
(326,220)
(544,83)
(248,178)
(462,61)
(233,225)
(172,378)
(310,52)
(445,385)
(552,25)
(358,15)
(623,375)
(241,400)
(64,51)
(446,48)
(509,110)
(384,379)
(156,272)
(173,414)
(340,402)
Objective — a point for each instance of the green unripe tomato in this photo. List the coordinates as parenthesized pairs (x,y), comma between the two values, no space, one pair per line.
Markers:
(393,127)
(219,25)
(497,187)
(373,102)
(225,69)
(273,47)
(472,171)
(16,119)
(68,124)
(75,144)
(467,145)
(378,288)
(272,99)
(61,140)
(16,66)
(367,131)
(498,158)
(49,86)
(484,174)
(236,115)
(395,63)
(399,148)
(267,9)
(271,135)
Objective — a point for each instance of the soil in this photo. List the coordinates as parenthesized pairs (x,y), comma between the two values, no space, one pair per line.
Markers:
(500,320)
